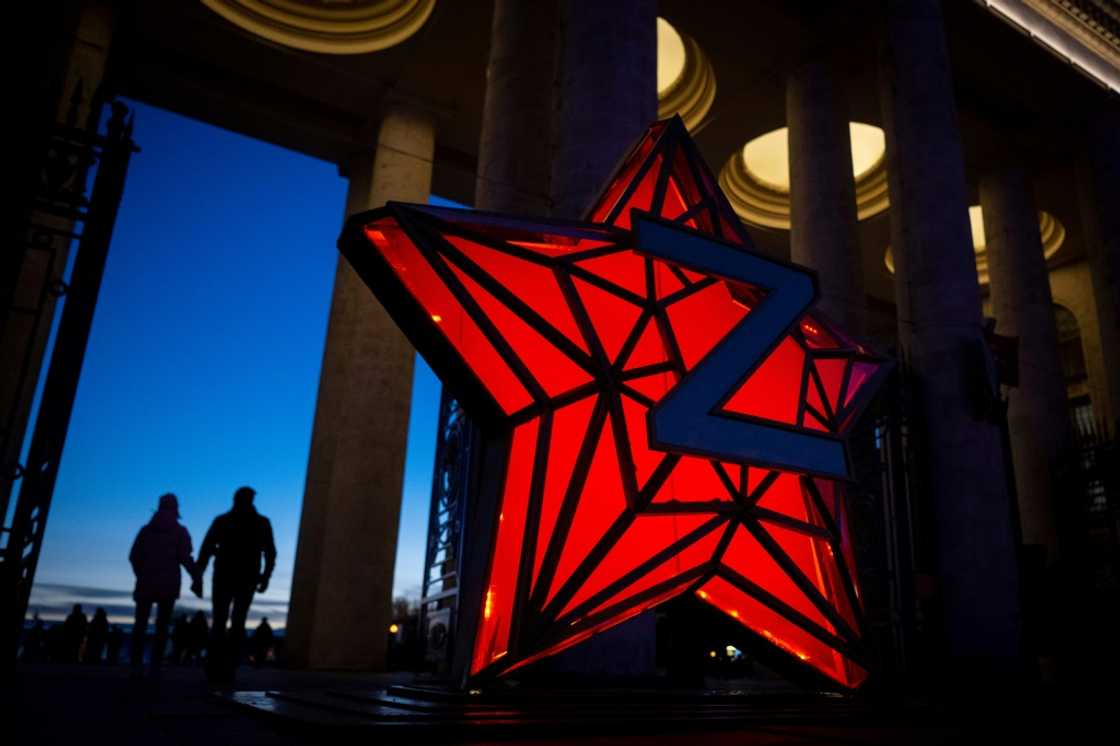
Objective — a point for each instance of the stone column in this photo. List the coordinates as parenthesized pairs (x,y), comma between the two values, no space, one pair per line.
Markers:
(939,325)
(1099,193)
(343,578)
(515,148)
(822,191)
(1023,307)
(606,94)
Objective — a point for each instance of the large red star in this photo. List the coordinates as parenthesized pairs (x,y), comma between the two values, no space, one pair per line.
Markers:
(674,414)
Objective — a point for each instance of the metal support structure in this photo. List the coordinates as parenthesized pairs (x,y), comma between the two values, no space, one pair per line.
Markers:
(24,537)
(450,484)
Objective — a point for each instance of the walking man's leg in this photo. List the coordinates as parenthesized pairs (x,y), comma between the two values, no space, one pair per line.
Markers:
(217,657)
(242,599)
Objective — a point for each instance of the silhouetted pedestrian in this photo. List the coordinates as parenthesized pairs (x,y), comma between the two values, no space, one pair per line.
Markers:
(113,649)
(262,642)
(74,634)
(199,632)
(162,545)
(180,639)
(97,636)
(238,540)
(35,642)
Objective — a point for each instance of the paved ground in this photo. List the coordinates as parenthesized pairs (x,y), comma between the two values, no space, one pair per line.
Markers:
(55,704)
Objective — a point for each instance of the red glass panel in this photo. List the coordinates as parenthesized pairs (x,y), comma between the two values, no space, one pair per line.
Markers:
(693,480)
(533,284)
(451,319)
(665,282)
(772,391)
(746,556)
(624,268)
(719,313)
(612,317)
(642,197)
(831,372)
(601,502)
(646,537)
(569,427)
(654,386)
(553,370)
(784,496)
(764,621)
(634,161)
(696,554)
(650,348)
(645,459)
(497,609)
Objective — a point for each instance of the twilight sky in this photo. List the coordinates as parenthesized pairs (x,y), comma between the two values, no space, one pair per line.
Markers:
(203,362)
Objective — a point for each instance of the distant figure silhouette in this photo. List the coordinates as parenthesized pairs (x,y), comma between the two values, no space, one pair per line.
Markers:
(262,642)
(97,636)
(74,634)
(113,649)
(238,540)
(199,633)
(180,638)
(35,642)
(162,545)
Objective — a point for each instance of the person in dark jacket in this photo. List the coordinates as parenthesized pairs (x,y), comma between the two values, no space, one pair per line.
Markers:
(97,636)
(161,547)
(74,634)
(239,541)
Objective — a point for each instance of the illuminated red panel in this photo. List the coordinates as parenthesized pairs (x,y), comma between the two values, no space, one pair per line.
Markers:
(612,317)
(535,285)
(623,268)
(445,311)
(601,503)
(650,348)
(785,496)
(693,479)
(746,556)
(715,306)
(645,459)
(497,609)
(772,391)
(625,176)
(816,335)
(642,197)
(554,370)
(815,560)
(569,427)
(665,280)
(654,386)
(646,537)
(779,631)
(689,558)
(831,372)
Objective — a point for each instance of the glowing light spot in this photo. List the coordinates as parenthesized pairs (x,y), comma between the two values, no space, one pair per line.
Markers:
(702,595)
(711,654)
(488,609)
(394,629)
(437,318)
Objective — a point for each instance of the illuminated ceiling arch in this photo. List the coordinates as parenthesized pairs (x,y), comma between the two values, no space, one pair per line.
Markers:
(354,27)
(1051,230)
(756,179)
(686,83)
(673,415)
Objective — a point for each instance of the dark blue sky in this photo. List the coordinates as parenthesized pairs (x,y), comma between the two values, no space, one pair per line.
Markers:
(203,362)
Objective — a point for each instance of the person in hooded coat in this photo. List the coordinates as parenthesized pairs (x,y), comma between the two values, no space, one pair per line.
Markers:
(161,547)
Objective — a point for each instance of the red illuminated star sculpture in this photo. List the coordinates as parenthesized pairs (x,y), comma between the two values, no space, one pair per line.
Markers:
(674,412)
